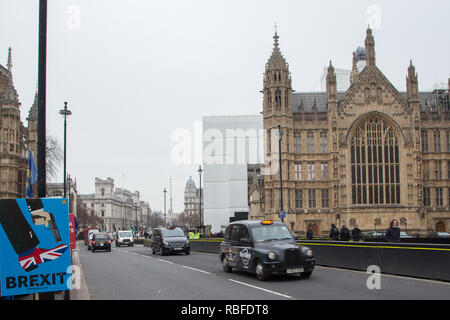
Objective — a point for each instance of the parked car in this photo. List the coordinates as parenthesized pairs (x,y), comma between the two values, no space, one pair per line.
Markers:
(170,240)
(403,234)
(264,247)
(101,241)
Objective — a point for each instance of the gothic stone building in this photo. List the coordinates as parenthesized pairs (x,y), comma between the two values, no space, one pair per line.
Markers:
(363,156)
(13,155)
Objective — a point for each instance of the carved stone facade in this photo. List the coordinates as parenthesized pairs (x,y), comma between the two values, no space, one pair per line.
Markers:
(13,155)
(363,156)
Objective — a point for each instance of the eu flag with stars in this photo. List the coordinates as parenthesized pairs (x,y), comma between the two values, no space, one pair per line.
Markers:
(31,175)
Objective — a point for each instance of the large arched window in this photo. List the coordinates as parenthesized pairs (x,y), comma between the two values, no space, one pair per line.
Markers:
(375,168)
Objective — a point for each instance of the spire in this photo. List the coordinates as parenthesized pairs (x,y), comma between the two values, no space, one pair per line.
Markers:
(9,63)
(412,83)
(370,48)
(354,73)
(331,84)
(276,60)
(9,93)
(275,37)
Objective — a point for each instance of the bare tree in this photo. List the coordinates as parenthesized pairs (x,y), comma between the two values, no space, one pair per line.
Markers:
(53,156)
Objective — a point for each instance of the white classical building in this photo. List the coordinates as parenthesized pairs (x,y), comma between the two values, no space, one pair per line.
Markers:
(230,143)
(119,209)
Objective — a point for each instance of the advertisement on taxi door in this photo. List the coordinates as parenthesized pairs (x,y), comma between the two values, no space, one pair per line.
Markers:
(34,246)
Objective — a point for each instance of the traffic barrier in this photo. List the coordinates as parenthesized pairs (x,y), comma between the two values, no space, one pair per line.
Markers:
(430,261)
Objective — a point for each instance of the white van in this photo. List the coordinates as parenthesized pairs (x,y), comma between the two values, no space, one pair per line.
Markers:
(124,237)
(90,236)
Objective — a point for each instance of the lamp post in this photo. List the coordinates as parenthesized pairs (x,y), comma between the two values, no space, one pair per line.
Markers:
(165,214)
(200,204)
(280,134)
(65,112)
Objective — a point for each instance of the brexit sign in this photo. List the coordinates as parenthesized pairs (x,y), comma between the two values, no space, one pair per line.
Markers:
(34,246)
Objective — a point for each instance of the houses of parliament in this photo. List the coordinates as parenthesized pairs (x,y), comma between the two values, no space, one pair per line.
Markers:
(363,156)
(15,138)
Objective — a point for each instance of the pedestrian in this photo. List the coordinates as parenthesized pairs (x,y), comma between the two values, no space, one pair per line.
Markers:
(309,234)
(356,233)
(345,233)
(393,232)
(334,232)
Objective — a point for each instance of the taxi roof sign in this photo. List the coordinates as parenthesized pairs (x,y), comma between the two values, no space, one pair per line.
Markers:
(266,222)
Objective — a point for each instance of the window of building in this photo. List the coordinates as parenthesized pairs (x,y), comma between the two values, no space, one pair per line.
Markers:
(437,170)
(439,197)
(448,170)
(323,143)
(375,163)
(271,198)
(277,99)
(299,198)
(310,142)
(311,173)
(437,141)
(448,141)
(324,171)
(325,198)
(311,198)
(426,197)
(297,142)
(298,171)
(424,141)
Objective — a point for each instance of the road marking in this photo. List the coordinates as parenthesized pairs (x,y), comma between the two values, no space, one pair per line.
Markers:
(259,288)
(165,261)
(195,269)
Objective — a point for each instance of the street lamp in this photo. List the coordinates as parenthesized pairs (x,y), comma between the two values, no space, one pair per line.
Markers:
(165,215)
(65,112)
(280,134)
(200,204)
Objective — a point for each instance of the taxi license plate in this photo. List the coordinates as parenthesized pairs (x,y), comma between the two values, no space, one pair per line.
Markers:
(102,243)
(177,248)
(297,270)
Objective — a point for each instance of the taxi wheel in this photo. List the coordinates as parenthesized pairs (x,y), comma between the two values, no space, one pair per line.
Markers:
(225,265)
(260,274)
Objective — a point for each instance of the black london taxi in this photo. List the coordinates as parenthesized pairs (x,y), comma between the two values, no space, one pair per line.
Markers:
(101,241)
(264,247)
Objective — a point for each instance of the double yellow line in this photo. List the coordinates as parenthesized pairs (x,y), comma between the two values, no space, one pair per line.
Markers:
(341,245)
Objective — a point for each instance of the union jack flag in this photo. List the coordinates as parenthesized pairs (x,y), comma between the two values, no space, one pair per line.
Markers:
(41,255)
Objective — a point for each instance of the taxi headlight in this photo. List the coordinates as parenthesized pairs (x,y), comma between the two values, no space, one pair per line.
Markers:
(187,242)
(165,242)
(271,255)
(308,252)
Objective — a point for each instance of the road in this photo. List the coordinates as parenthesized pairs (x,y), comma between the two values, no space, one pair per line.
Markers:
(134,273)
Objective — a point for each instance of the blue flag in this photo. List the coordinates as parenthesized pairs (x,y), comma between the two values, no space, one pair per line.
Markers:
(31,175)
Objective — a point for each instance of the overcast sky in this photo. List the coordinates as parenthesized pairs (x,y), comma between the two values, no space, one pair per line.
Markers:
(135,71)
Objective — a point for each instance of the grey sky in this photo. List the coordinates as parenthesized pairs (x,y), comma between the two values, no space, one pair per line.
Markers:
(135,71)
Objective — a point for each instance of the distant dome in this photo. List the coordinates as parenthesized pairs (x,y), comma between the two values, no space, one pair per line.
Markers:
(190,183)
(360,54)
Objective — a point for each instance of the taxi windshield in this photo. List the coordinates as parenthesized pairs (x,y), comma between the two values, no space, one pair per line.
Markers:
(271,233)
(177,232)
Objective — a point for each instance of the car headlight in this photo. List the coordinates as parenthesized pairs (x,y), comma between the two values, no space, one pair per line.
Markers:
(187,242)
(308,252)
(165,242)
(271,255)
